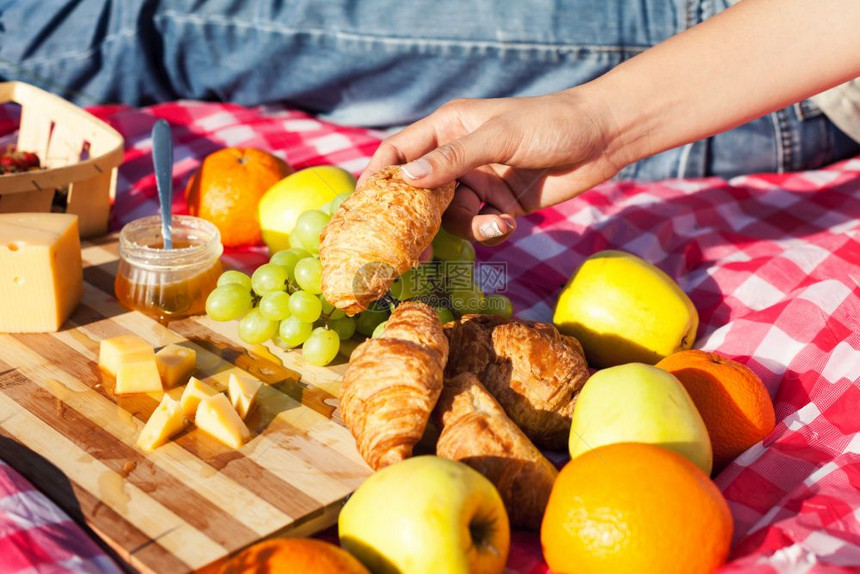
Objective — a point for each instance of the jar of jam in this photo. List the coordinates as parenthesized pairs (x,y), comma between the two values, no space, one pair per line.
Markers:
(168,284)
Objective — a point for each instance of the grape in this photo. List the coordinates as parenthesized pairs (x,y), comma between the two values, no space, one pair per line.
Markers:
(414,283)
(254,328)
(234,276)
(293,331)
(269,277)
(288,258)
(499,305)
(309,226)
(466,301)
(447,247)
(228,302)
(321,347)
(308,274)
(275,305)
(366,321)
(330,310)
(327,308)
(337,201)
(344,327)
(445,314)
(378,330)
(305,306)
(467,251)
(348,346)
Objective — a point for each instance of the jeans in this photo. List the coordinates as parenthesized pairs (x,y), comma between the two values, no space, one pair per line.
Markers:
(381,64)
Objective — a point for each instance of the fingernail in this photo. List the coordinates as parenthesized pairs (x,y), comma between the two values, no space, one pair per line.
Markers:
(416,169)
(509,223)
(491,230)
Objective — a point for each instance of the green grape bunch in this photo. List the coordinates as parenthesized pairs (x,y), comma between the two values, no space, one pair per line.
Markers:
(282,300)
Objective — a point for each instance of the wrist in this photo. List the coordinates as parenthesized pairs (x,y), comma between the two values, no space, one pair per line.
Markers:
(610,132)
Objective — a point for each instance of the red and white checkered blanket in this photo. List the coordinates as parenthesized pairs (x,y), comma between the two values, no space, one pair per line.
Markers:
(772,263)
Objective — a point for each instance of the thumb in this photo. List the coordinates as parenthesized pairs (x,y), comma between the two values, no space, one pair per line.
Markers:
(456,158)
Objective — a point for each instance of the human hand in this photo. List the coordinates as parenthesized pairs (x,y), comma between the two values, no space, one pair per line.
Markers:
(511,156)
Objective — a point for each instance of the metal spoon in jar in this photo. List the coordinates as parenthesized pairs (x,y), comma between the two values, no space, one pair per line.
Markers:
(162,160)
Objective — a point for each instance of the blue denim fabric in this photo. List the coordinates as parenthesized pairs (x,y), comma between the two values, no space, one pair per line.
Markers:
(380,64)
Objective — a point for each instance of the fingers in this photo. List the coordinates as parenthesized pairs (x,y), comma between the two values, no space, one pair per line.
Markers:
(467,218)
(492,228)
(411,142)
(449,161)
(426,255)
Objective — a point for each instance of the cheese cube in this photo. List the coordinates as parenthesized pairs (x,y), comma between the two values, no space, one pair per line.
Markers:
(217,417)
(112,351)
(41,274)
(175,364)
(243,393)
(138,373)
(166,421)
(195,391)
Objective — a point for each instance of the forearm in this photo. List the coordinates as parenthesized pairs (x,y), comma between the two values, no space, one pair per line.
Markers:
(752,59)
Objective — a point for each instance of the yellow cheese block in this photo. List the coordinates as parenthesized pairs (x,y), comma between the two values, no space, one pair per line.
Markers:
(243,393)
(195,391)
(112,351)
(217,417)
(41,276)
(176,364)
(138,373)
(166,421)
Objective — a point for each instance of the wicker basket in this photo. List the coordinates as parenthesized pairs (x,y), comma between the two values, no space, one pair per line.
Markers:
(79,152)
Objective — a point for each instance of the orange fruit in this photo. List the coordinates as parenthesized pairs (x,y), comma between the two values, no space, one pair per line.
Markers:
(635,507)
(294,556)
(227,187)
(733,401)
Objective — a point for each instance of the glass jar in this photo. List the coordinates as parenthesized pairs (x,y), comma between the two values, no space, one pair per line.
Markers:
(168,284)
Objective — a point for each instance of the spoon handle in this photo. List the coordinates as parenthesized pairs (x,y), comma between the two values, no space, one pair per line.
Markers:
(162,159)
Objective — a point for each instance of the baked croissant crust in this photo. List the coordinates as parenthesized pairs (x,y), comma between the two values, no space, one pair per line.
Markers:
(392,384)
(533,371)
(476,431)
(376,235)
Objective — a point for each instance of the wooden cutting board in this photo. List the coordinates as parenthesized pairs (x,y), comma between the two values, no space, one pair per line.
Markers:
(192,501)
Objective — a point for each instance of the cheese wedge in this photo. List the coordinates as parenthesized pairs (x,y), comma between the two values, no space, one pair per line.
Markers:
(166,421)
(41,275)
(217,417)
(112,351)
(175,364)
(138,373)
(243,393)
(195,391)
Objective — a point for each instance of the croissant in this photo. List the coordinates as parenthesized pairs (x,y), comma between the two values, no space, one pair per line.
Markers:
(530,368)
(476,431)
(376,235)
(392,384)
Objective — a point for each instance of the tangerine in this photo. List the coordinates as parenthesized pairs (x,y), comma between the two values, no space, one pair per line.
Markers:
(732,399)
(294,556)
(226,190)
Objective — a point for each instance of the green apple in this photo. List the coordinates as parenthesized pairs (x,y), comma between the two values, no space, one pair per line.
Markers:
(426,515)
(624,310)
(306,189)
(639,403)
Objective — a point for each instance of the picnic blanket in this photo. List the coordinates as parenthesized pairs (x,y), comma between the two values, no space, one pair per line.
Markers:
(771,261)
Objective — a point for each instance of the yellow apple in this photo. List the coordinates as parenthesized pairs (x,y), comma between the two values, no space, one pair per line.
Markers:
(306,189)
(426,515)
(639,403)
(624,310)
